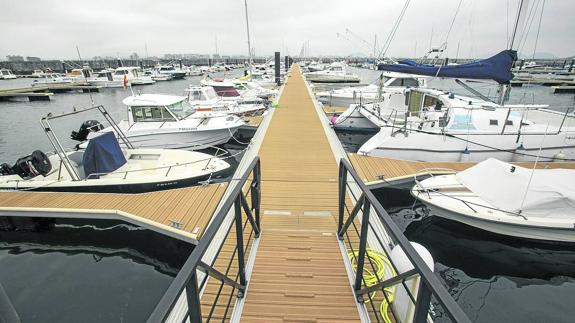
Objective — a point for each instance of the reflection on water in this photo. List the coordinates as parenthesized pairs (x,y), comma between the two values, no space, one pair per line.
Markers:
(494,278)
(80,271)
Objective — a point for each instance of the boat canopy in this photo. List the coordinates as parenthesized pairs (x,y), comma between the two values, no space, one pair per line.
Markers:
(497,68)
(551,192)
(103,154)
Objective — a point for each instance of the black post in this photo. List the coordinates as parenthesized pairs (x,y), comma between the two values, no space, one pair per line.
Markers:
(362,248)
(446,61)
(277,63)
(521,64)
(342,190)
(64,68)
(120,63)
(256,195)
(181,64)
(571,66)
(286,63)
(240,244)
(193,296)
(209,62)
(422,303)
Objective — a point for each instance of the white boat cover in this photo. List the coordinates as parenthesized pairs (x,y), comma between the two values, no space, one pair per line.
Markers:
(503,185)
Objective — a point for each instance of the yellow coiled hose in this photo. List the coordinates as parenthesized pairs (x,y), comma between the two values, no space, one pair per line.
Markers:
(380,261)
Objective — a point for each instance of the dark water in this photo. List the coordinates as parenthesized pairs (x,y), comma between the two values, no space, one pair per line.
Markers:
(493,278)
(20,131)
(78,271)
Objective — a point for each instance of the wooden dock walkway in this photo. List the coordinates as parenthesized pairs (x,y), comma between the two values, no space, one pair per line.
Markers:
(185,211)
(375,170)
(299,273)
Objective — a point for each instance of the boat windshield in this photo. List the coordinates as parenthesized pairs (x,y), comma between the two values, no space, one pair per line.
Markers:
(181,109)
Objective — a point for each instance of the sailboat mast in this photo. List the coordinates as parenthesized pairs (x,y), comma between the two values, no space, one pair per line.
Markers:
(248,31)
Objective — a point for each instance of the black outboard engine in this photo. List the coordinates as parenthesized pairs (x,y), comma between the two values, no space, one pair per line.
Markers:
(29,166)
(86,127)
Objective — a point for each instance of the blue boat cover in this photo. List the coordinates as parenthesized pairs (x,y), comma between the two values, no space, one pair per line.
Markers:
(103,154)
(497,68)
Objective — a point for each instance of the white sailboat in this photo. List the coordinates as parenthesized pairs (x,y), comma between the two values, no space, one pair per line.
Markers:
(334,73)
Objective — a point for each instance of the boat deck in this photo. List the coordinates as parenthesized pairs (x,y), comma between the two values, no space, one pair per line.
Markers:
(376,170)
(181,212)
(299,273)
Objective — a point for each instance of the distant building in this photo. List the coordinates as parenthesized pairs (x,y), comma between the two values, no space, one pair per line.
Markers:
(173,56)
(33,59)
(15,58)
(134,57)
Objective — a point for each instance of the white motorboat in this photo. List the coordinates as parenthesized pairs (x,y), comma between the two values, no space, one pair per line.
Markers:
(53,79)
(134,76)
(226,89)
(168,121)
(105,78)
(80,74)
(334,73)
(442,126)
(106,167)
(506,199)
(6,74)
(366,94)
(38,74)
(204,98)
(171,71)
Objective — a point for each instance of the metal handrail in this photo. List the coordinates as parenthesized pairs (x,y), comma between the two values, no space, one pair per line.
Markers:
(187,277)
(429,283)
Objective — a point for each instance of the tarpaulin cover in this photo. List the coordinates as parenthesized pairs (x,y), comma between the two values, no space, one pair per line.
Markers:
(497,68)
(550,192)
(103,154)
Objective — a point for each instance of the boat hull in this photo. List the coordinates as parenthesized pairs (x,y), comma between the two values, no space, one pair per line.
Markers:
(503,228)
(190,140)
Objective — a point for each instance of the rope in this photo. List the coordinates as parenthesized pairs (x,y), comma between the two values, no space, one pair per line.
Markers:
(379,261)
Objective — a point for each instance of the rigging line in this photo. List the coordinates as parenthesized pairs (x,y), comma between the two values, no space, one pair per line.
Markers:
(516,25)
(444,44)
(393,30)
(507,23)
(533,170)
(538,30)
(530,19)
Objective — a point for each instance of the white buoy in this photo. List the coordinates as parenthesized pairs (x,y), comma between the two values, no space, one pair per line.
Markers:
(465,155)
(404,307)
(560,156)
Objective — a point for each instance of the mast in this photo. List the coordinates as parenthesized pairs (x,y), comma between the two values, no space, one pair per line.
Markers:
(504,88)
(248,31)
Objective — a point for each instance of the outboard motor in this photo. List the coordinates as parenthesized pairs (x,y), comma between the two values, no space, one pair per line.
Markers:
(29,166)
(86,127)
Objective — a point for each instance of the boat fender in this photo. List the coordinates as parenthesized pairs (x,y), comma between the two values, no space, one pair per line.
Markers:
(403,305)
(559,157)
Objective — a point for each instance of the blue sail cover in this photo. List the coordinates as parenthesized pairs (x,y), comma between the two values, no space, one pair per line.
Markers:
(103,154)
(497,68)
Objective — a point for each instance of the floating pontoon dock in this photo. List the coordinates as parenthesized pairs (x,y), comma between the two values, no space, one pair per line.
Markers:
(44,92)
(283,240)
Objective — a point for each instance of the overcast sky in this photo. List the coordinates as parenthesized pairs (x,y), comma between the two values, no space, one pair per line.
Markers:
(52,28)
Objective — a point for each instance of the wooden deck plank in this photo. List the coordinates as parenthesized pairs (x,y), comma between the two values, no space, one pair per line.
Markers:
(158,207)
(299,274)
(370,168)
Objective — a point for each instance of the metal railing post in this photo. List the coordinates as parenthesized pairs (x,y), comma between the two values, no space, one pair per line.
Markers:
(422,303)
(193,296)
(240,243)
(342,190)
(362,249)
(256,198)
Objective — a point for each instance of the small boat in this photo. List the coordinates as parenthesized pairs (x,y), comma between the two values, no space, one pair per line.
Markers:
(334,73)
(350,95)
(506,199)
(106,167)
(168,121)
(105,78)
(134,76)
(169,70)
(6,74)
(38,74)
(204,98)
(53,79)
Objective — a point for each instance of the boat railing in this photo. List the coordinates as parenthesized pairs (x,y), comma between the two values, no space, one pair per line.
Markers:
(168,168)
(388,269)
(183,301)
